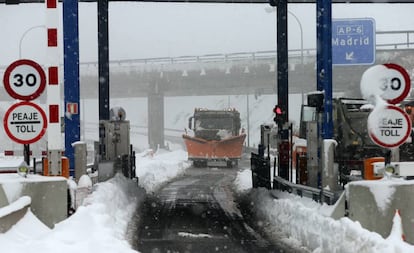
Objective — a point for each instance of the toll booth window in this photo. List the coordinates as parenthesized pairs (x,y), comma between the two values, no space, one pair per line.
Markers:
(309,114)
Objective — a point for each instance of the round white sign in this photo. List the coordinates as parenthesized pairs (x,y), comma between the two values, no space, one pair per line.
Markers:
(24,79)
(389,126)
(390,81)
(25,122)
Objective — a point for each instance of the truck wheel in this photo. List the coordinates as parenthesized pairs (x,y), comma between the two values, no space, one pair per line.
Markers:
(200,164)
(232,164)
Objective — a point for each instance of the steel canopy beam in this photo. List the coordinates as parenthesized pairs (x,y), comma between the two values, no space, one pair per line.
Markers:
(226,1)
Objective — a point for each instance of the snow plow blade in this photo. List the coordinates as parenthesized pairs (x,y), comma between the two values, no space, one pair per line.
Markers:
(230,148)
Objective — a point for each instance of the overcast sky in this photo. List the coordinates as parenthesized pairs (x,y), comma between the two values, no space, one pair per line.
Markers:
(141,30)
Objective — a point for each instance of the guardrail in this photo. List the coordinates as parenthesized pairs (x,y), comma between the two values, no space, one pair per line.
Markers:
(405,40)
(316,194)
(386,40)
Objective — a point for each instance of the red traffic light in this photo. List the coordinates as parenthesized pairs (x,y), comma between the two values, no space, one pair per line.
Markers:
(277,110)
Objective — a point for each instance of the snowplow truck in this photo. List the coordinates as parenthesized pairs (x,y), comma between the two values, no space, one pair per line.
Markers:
(217,138)
(350,116)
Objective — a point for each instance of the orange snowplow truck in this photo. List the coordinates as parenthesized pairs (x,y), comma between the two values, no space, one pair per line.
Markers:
(217,137)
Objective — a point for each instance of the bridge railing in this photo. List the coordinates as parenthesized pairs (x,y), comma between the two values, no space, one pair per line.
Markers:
(403,39)
(221,61)
(385,40)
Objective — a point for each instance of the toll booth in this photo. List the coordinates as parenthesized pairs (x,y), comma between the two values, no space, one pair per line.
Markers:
(260,163)
(114,140)
(115,151)
(268,136)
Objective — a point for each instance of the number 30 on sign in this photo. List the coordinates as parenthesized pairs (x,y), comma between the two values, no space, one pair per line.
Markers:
(24,79)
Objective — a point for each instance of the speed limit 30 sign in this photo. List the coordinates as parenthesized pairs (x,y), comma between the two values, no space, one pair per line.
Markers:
(390,81)
(24,79)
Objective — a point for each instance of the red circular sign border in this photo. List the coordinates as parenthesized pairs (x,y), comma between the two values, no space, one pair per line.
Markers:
(409,129)
(11,67)
(407,80)
(25,103)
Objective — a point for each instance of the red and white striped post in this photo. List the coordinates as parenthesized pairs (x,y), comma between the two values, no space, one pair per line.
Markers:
(54,145)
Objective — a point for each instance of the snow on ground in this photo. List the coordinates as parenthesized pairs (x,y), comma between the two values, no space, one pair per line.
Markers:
(97,226)
(155,168)
(100,225)
(301,221)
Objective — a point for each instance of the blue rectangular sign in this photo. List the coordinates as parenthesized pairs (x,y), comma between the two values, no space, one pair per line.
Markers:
(353,41)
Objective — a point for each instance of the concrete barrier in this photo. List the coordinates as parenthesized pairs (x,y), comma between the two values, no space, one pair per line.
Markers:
(339,210)
(373,204)
(3,198)
(11,214)
(48,195)
(81,155)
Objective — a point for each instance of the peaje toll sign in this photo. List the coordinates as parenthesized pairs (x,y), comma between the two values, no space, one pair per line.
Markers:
(25,122)
(24,79)
(389,126)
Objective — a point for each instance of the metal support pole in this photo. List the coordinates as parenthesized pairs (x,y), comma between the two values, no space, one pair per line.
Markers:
(291,152)
(103,64)
(324,62)
(103,59)
(282,59)
(54,140)
(71,77)
(301,38)
(282,82)
(248,120)
(156,124)
(26,153)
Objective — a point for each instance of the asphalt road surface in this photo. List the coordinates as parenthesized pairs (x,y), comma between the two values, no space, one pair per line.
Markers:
(198,213)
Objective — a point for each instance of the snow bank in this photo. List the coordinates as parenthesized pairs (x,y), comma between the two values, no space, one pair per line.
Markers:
(243,181)
(98,226)
(155,169)
(306,223)
(295,221)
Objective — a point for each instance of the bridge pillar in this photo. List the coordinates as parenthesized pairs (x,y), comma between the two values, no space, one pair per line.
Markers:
(156,120)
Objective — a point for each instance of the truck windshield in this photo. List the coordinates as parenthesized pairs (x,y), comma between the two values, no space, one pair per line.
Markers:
(214,123)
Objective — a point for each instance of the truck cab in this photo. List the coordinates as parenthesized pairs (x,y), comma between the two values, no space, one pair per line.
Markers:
(217,137)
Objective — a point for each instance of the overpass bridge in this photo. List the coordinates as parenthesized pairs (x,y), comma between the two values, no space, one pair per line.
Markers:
(238,73)
(246,73)
(229,74)
(234,73)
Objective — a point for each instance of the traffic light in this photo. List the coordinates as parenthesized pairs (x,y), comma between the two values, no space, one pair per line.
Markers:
(316,100)
(278,115)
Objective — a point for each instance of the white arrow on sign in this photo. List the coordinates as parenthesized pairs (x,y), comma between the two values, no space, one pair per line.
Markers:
(349,56)
(25,122)
(389,126)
